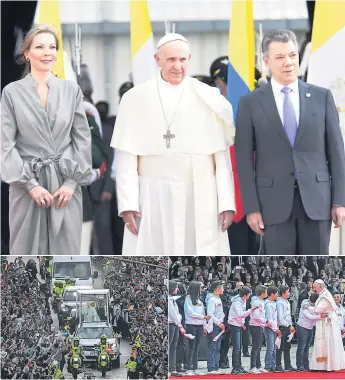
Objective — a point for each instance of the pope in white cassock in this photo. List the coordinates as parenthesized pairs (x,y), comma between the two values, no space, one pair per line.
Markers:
(90,314)
(173,173)
(328,352)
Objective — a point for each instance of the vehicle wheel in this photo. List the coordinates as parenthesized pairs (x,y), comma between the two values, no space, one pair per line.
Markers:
(74,373)
(104,371)
(116,363)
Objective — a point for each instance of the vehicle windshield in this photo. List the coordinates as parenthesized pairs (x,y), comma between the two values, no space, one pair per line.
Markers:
(94,332)
(72,269)
(72,296)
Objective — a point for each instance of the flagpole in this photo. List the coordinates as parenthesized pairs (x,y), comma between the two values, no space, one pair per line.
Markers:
(261,52)
(167,26)
(77,50)
(170,27)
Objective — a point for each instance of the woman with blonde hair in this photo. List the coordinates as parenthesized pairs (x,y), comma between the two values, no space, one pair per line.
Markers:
(45,151)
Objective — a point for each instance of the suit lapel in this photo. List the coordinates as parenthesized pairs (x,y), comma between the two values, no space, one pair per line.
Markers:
(269,105)
(303,89)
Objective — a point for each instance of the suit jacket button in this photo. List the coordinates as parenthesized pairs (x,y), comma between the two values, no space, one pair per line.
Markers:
(292,174)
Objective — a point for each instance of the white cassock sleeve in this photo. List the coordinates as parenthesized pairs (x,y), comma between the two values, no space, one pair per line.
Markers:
(225,182)
(127,181)
(322,307)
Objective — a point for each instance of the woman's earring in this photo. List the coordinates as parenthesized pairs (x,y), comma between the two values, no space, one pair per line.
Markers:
(27,58)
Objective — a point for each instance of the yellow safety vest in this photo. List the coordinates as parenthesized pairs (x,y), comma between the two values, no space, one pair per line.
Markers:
(131,366)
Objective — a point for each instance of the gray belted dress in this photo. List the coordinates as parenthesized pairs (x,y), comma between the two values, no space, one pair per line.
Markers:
(47,146)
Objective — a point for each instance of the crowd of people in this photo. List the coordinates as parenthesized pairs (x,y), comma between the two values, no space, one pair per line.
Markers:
(30,342)
(139,298)
(288,284)
(296,272)
(27,335)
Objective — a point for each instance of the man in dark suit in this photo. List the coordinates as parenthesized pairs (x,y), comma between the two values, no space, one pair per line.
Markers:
(293,186)
(314,266)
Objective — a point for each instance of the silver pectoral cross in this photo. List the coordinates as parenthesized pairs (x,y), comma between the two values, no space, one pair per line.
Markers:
(168,137)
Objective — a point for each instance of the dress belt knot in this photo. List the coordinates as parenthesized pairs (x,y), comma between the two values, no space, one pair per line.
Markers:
(38,163)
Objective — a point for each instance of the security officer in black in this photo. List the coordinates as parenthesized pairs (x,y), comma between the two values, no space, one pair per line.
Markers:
(99,161)
(226,341)
(205,79)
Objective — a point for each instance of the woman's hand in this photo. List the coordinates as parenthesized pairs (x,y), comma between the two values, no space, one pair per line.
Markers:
(64,195)
(41,196)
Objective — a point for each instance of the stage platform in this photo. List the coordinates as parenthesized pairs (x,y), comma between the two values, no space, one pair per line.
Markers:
(271,376)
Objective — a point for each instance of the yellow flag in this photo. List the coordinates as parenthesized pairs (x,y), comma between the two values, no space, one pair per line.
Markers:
(327,69)
(49,13)
(142,45)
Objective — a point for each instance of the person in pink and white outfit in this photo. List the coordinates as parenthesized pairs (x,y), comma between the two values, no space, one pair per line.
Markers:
(236,322)
(257,323)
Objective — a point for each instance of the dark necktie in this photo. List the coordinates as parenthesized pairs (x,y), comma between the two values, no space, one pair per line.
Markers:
(289,116)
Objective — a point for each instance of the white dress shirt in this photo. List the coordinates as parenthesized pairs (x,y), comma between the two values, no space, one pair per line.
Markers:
(307,318)
(194,314)
(174,315)
(238,312)
(215,309)
(279,97)
(284,312)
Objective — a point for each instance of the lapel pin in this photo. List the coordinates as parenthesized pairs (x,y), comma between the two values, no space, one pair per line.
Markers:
(308,94)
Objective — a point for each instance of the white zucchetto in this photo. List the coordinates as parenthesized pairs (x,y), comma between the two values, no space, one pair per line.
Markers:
(171,37)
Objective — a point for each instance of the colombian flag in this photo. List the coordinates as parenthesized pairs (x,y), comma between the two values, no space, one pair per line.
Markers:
(327,69)
(142,46)
(49,13)
(241,71)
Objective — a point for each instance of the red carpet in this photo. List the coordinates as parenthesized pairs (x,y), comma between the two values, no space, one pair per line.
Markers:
(264,376)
